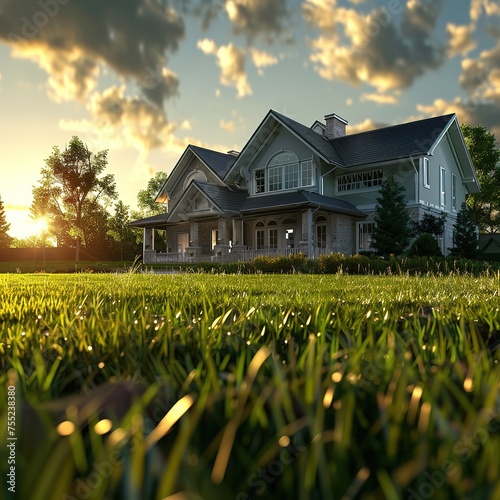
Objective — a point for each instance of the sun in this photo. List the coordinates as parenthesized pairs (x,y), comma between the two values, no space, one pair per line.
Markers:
(22,225)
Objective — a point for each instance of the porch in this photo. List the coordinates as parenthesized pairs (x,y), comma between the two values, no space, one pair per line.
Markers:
(236,255)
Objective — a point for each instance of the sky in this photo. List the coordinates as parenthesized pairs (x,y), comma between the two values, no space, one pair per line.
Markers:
(145,78)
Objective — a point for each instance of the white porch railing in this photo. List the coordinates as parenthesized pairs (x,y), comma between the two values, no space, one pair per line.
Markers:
(239,255)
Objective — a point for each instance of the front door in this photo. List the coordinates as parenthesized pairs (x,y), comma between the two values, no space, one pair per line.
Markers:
(182,242)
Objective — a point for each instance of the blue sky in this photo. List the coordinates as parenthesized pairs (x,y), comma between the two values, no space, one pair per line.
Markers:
(144,78)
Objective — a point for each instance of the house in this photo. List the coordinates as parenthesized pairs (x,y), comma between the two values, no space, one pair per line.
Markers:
(295,188)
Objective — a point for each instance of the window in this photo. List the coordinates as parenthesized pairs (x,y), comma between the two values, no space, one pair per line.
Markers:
(273,238)
(292,176)
(365,231)
(260,181)
(259,238)
(359,180)
(215,237)
(442,187)
(426,173)
(307,173)
(453,192)
(284,171)
(321,236)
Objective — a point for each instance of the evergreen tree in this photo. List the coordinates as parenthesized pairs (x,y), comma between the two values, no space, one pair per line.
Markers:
(464,234)
(430,224)
(5,239)
(392,231)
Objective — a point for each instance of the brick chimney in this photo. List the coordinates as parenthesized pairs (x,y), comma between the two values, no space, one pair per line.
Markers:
(335,126)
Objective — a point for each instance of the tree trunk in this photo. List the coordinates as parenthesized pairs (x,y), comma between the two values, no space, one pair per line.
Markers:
(77,249)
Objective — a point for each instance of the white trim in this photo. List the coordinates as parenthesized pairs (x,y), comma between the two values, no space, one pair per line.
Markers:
(442,134)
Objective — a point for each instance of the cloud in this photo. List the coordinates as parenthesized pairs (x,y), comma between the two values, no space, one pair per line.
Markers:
(229,126)
(231,61)
(379,98)
(259,18)
(490,7)
(387,48)
(364,126)
(467,111)
(262,59)
(480,76)
(460,39)
(71,39)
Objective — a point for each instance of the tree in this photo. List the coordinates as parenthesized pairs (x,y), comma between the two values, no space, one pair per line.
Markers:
(5,239)
(71,188)
(148,207)
(146,197)
(464,234)
(430,224)
(120,232)
(485,156)
(392,231)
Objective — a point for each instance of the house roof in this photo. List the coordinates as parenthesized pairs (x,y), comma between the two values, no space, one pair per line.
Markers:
(220,163)
(298,199)
(154,221)
(322,145)
(228,200)
(390,143)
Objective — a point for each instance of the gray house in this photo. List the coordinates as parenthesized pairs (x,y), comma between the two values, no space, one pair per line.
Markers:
(295,188)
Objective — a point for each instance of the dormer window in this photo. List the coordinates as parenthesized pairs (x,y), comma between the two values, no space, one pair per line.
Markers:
(284,171)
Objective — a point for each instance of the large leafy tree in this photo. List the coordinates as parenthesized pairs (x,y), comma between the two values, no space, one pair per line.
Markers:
(484,206)
(71,191)
(121,234)
(146,197)
(392,231)
(465,234)
(148,207)
(5,239)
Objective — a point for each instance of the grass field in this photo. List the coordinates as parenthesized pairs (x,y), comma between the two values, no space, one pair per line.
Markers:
(138,386)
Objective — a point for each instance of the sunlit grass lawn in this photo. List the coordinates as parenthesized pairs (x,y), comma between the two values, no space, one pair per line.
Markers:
(299,386)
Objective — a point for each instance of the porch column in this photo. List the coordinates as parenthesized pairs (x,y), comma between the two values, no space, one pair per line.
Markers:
(194,250)
(148,245)
(306,244)
(222,247)
(238,246)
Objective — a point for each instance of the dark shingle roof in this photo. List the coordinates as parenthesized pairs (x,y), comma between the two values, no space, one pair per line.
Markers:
(228,200)
(296,199)
(317,141)
(380,145)
(390,143)
(150,221)
(220,163)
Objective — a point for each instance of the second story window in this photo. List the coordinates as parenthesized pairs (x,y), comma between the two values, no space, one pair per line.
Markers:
(426,174)
(442,187)
(359,180)
(284,171)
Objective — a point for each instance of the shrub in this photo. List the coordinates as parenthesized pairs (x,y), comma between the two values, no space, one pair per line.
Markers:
(425,245)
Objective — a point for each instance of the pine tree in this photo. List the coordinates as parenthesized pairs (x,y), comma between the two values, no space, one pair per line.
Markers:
(464,234)
(392,231)
(5,239)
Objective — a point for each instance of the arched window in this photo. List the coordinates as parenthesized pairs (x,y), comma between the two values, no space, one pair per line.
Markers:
(195,175)
(283,171)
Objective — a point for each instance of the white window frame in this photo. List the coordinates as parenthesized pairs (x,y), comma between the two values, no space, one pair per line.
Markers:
(360,181)
(442,186)
(359,232)
(426,173)
(454,192)
(307,171)
(255,180)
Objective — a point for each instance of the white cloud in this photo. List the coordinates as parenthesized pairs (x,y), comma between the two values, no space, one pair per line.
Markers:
(379,98)
(228,126)
(231,61)
(262,59)
(460,39)
(388,48)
